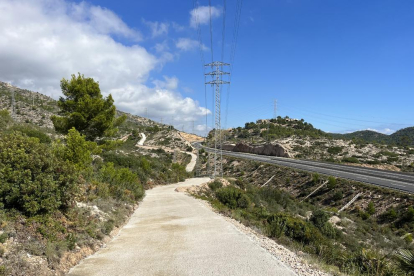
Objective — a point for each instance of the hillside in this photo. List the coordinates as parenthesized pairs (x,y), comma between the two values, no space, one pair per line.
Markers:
(300,139)
(35,108)
(402,137)
(63,197)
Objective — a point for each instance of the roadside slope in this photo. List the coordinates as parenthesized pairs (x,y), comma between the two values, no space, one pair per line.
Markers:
(174,234)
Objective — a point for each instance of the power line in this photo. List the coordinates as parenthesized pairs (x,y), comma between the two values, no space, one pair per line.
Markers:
(233,46)
(224,30)
(318,115)
(211,32)
(351,119)
(199,36)
(201,50)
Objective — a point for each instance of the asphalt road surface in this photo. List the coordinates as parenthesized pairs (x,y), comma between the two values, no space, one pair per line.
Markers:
(174,234)
(389,179)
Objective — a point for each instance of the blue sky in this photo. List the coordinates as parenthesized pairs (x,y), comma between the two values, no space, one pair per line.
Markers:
(340,65)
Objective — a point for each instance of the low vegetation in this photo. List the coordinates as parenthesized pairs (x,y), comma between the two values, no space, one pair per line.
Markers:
(369,238)
(62,195)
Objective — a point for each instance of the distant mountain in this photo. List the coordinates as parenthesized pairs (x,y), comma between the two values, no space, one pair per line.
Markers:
(403,137)
(366,135)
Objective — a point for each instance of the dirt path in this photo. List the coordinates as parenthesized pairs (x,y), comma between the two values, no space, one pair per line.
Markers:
(143,138)
(174,234)
(190,166)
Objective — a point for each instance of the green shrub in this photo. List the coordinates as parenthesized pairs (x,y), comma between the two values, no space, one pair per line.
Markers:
(5,118)
(328,230)
(32,132)
(335,150)
(240,182)
(215,185)
(32,179)
(108,227)
(276,225)
(338,196)
(292,227)
(243,202)
(229,196)
(388,153)
(392,159)
(315,177)
(123,184)
(4,237)
(389,215)
(71,241)
(319,218)
(350,160)
(364,215)
(77,150)
(406,260)
(371,208)
(408,238)
(368,262)
(331,182)
(408,215)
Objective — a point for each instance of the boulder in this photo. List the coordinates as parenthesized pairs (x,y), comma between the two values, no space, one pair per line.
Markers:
(228,147)
(267,149)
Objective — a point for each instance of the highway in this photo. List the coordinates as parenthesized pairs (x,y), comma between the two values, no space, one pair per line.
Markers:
(388,179)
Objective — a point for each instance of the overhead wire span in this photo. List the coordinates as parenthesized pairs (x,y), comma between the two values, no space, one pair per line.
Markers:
(211,32)
(201,50)
(223,33)
(223,39)
(339,117)
(334,123)
(233,46)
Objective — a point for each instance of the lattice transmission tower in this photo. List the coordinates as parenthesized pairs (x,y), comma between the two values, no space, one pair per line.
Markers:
(217,74)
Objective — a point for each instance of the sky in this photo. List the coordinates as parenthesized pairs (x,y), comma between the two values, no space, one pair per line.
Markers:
(341,65)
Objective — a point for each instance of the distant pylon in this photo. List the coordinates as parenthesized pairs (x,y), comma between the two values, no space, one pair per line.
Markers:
(217,80)
(274,109)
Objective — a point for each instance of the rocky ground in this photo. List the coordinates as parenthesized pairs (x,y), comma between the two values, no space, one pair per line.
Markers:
(377,156)
(319,149)
(30,107)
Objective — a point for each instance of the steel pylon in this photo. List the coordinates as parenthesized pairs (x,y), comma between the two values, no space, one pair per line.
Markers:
(216,81)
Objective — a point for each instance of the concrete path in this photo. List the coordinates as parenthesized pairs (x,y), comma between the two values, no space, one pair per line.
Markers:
(190,166)
(174,234)
(143,138)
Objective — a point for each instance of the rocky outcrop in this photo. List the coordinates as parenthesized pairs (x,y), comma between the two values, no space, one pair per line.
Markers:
(267,149)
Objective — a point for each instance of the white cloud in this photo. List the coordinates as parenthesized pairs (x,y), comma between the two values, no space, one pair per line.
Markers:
(201,15)
(168,83)
(162,47)
(383,131)
(157,28)
(202,128)
(104,21)
(388,131)
(45,40)
(187,44)
(160,103)
(177,27)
